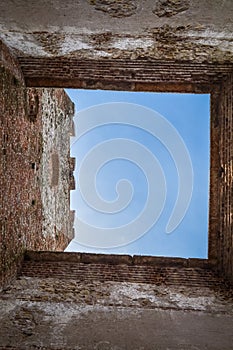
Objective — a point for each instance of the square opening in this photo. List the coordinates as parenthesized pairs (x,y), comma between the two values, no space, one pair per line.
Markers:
(179,206)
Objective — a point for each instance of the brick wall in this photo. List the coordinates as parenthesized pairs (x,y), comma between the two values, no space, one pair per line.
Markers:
(225,234)
(21,146)
(120,268)
(24,198)
(119,74)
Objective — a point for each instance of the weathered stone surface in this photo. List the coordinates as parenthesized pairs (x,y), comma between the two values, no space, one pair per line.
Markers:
(56,313)
(168,8)
(56,114)
(120,8)
(180,30)
(125,294)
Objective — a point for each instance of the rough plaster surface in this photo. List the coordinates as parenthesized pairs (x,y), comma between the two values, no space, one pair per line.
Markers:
(120,294)
(57,112)
(56,314)
(161,29)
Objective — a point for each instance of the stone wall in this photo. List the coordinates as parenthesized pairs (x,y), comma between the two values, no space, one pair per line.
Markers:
(24,198)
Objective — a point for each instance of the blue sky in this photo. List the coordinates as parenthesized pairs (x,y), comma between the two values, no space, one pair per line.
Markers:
(189,115)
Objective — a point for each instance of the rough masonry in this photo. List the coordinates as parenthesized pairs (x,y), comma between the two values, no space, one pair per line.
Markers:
(36,172)
(87,301)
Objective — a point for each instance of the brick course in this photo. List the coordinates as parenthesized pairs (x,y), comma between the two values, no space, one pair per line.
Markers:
(118,74)
(121,268)
(225,233)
